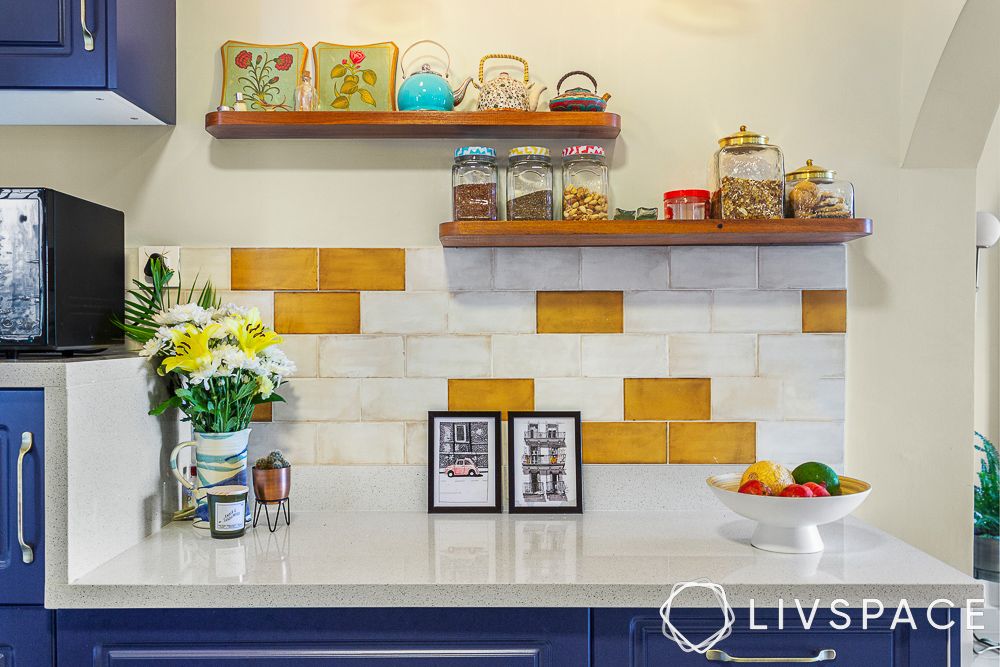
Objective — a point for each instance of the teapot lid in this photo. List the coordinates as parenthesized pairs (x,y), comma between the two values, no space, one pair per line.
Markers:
(426,69)
(743,137)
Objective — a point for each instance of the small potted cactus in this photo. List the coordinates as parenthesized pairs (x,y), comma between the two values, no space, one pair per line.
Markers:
(272,478)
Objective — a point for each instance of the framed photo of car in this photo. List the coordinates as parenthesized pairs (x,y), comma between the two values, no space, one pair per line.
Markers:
(545,471)
(463,462)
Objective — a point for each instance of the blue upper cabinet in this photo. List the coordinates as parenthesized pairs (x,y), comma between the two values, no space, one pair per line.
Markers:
(87,62)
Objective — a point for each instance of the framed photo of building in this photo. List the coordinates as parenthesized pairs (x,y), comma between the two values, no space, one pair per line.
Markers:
(544,462)
(463,462)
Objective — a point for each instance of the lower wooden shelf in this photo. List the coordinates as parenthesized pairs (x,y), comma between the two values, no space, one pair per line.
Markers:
(554,233)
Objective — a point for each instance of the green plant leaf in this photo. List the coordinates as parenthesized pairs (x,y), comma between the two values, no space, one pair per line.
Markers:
(367,97)
(349,88)
(172,402)
(369,76)
(338,71)
(341,102)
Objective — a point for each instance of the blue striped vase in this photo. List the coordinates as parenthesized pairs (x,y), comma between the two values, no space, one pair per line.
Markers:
(221,459)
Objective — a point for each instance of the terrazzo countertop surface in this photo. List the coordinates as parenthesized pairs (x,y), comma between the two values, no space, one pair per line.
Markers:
(597,559)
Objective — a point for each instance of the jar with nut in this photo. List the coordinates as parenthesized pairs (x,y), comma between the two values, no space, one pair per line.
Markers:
(815,192)
(529,183)
(585,183)
(746,177)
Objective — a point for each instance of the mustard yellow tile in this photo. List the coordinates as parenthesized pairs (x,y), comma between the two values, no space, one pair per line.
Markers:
(362,268)
(668,398)
(712,442)
(503,395)
(624,442)
(317,312)
(824,311)
(261,412)
(579,312)
(273,268)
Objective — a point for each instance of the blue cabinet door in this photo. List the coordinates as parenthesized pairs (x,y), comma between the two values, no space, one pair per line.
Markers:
(329,637)
(43,44)
(26,638)
(22,575)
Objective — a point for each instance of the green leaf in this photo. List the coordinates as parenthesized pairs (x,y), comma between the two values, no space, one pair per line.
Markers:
(338,71)
(341,102)
(369,76)
(172,402)
(349,87)
(367,97)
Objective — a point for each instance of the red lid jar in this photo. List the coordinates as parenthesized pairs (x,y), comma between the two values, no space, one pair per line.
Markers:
(685,204)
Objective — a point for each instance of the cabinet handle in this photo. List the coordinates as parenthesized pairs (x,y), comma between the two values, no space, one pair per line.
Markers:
(88,37)
(27,553)
(827,654)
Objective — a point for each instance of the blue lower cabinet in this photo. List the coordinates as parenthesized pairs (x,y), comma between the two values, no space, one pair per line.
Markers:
(313,637)
(26,637)
(634,638)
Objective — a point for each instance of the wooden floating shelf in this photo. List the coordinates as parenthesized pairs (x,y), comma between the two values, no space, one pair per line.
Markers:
(469,234)
(412,124)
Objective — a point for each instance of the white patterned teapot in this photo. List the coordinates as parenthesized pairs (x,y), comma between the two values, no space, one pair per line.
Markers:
(504,93)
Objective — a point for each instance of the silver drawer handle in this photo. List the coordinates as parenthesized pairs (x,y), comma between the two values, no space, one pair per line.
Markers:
(27,553)
(88,37)
(827,654)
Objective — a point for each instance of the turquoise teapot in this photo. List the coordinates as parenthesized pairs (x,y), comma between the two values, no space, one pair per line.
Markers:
(426,90)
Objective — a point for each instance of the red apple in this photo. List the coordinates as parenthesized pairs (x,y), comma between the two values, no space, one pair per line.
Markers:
(755,487)
(796,491)
(817,489)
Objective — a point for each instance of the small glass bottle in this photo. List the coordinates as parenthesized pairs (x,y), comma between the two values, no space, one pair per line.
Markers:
(529,183)
(815,192)
(240,104)
(585,183)
(306,98)
(746,177)
(474,183)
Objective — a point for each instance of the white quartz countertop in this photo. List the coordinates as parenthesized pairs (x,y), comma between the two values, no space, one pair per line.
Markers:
(598,559)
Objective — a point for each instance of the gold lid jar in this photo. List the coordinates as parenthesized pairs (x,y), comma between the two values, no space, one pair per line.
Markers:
(812,191)
(746,177)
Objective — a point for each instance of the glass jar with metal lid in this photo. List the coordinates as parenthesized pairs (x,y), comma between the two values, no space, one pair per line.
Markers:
(585,183)
(815,192)
(474,183)
(746,177)
(529,183)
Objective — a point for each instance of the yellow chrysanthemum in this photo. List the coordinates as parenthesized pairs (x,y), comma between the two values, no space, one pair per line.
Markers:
(191,348)
(251,334)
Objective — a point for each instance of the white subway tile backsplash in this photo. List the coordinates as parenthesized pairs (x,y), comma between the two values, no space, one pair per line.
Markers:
(708,355)
(671,311)
(814,398)
(537,269)
(597,399)
(416,443)
(713,267)
(309,399)
(618,355)
(404,312)
(745,398)
(757,311)
(492,312)
(448,356)
(403,399)
(205,264)
(536,355)
(361,356)
(304,351)
(814,267)
(625,268)
(361,443)
(296,440)
(811,355)
(792,443)
(449,269)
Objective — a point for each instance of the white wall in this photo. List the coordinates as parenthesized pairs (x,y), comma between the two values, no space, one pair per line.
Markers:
(987,374)
(683,73)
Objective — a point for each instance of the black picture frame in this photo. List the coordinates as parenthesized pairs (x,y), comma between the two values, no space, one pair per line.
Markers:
(514,460)
(493,461)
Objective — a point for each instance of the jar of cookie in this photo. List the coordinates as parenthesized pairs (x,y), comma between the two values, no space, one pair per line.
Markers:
(812,191)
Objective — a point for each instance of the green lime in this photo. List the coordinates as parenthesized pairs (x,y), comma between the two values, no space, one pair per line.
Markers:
(820,473)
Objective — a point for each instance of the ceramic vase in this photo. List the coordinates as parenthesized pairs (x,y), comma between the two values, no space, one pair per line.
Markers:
(221,460)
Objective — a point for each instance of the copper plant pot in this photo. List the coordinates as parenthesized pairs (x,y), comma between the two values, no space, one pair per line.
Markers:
(272,485)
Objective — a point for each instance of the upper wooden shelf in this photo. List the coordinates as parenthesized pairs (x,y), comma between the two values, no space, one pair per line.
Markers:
(412,124)
(653,232)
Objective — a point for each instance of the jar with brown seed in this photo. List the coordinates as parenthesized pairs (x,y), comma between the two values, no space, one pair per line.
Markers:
(585,183)
(747,177)
(474,183)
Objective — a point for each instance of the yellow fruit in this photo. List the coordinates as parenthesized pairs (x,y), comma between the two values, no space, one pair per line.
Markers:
(772,475)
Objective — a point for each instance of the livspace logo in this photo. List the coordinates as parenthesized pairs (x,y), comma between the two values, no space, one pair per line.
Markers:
(871,609)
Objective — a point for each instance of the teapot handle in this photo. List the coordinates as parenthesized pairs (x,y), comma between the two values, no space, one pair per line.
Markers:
(569,74)
(447,67)
(508,56)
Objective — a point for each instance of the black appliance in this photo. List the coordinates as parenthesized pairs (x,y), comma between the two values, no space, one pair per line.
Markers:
(62,272)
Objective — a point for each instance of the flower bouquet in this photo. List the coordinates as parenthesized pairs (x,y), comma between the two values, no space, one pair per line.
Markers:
(219,362)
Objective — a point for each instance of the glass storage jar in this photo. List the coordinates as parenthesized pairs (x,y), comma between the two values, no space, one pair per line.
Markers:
(685,204)
(529,183)
(474,183)
(585,183)
(815,192)
(746,177)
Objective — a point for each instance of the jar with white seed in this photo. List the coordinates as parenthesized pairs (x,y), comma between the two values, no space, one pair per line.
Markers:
(585,183)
